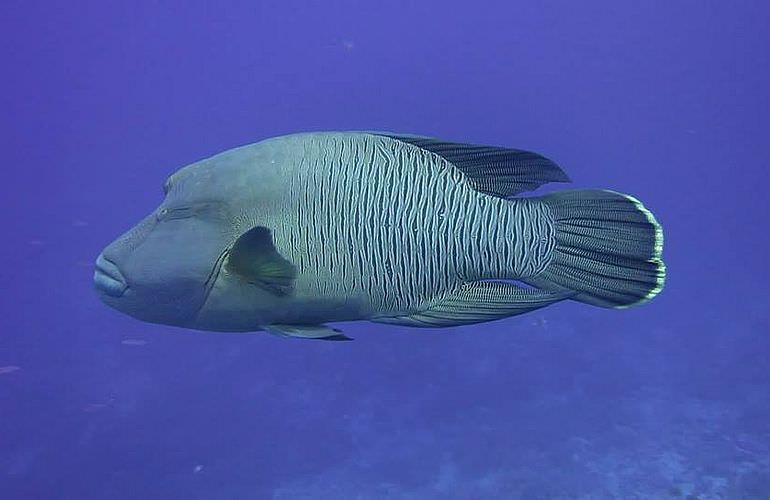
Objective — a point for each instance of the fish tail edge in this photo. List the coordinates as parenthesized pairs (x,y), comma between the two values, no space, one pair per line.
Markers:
(608,249)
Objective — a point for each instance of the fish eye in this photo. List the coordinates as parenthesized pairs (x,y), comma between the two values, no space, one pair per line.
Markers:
(162,214)
(183,212)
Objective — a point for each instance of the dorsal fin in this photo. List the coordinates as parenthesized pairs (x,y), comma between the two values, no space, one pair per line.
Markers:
(501,172)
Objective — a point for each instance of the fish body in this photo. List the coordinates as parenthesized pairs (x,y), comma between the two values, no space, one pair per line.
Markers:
(295,231)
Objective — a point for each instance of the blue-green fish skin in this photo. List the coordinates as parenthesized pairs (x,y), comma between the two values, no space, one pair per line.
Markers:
(295,231)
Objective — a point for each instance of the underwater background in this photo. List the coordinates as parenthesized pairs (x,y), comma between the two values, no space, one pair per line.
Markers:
(665,100)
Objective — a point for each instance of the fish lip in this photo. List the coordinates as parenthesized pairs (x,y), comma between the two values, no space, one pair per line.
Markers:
(108,278)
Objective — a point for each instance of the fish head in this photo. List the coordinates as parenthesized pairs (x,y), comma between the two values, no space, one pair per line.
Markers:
(204,258)
(161,270)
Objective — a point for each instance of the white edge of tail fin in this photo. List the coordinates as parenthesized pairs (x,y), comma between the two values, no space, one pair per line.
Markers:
(657,250)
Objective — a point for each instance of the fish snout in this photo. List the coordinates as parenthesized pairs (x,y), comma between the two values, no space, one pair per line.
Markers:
(108,279)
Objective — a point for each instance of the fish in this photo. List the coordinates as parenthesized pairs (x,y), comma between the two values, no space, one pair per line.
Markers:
(294,232)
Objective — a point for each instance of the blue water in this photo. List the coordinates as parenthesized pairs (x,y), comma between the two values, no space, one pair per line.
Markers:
(666,100)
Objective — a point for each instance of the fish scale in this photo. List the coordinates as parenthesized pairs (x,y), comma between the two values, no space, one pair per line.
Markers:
(394,188)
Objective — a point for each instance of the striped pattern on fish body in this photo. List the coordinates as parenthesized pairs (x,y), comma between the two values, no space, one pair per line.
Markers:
(295,231)
(391,229)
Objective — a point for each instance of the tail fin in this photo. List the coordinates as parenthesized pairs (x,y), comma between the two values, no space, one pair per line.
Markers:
(608,249)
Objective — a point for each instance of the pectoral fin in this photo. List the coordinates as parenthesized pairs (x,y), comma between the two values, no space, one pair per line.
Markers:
(253,258)
(318,332)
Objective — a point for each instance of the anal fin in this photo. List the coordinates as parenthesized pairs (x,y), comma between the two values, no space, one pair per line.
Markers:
(478,302)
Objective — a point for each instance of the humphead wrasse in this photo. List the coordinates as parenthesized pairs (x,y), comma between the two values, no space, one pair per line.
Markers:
(292,232)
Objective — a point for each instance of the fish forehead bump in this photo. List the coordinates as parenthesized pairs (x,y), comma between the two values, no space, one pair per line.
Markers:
(259,159)
(222,174)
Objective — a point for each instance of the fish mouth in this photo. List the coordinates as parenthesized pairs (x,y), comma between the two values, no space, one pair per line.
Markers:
(108,279)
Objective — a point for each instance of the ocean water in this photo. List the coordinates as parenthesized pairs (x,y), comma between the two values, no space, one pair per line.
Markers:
(666,100)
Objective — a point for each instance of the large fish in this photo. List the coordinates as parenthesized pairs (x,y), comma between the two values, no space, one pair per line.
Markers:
(295,231)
